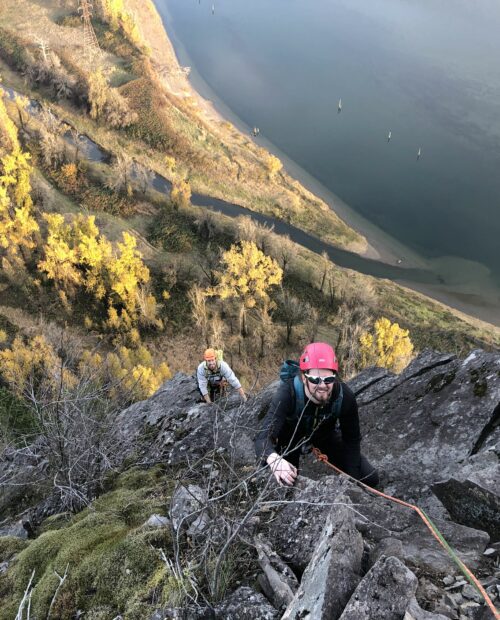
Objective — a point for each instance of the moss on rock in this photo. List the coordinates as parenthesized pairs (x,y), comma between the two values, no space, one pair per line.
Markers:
(112,562)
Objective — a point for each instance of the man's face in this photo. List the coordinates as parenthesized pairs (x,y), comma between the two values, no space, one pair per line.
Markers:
(212,364)
(319,392)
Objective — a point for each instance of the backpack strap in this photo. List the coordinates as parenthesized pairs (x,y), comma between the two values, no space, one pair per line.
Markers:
(337,404)
(300,400)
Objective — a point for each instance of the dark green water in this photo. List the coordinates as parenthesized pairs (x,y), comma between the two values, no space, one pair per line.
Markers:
(428,71)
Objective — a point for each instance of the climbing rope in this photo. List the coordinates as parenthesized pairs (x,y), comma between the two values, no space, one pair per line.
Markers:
(472,579)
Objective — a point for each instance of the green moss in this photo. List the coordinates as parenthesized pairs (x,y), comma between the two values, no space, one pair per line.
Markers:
(9,546)
(480,385)
(110,559)
(480,388)
(441,380)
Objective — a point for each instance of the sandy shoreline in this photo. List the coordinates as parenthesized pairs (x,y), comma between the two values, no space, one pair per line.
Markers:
(168,61)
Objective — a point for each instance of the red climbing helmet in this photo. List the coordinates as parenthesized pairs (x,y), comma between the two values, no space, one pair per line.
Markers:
(318,355)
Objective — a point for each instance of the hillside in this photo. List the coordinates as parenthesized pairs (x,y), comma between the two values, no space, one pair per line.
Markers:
(120,148)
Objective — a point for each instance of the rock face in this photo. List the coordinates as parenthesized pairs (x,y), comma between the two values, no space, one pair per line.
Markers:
(472,495)
(328,548)
(245,604)
(427,425)
(172,425)
(384,593)
(332,574)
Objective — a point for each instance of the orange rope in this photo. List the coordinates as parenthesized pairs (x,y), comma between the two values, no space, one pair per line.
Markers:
(433,529)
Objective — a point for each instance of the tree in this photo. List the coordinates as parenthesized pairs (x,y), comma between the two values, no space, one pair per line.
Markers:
(98,93)
(18,227)
(273,165)
(78,258)
(351,320)
(121,174)
(61,260)
(180,195)
(285,252)
(247,275)
(389,346)
(292,311)
(198,300)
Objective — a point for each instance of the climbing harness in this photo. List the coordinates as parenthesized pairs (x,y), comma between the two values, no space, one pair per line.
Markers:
(472,579)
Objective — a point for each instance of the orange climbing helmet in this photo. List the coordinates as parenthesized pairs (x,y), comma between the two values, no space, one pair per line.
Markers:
(209,355)
(318,355)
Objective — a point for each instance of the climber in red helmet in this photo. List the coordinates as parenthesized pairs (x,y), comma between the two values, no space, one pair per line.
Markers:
(314,408)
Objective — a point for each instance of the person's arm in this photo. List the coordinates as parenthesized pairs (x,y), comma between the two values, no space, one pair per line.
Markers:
(273,423)
(351,434)
(202,382)
(228,374)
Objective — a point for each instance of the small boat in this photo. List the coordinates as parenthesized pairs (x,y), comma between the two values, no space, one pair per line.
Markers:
(339,109)
(256,131)
(419,153)
(213,9)
(389,136)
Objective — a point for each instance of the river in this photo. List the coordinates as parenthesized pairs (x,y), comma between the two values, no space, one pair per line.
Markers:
(427,71)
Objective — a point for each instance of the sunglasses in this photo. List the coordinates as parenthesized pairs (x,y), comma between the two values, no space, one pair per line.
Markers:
(317,380)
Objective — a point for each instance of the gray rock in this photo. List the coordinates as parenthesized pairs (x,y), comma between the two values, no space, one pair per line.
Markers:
(187,505)
(332,574)
(16,530)
(421,426)
(471,593)
(187,612)
(378,519)
(245,604)
(280,583)
(297,528)
(474,501)
(384,593)
(157,521)
(172,425)
(415,612)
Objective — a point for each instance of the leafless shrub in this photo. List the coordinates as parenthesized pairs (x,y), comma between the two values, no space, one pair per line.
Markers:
(76,438)
(292,311)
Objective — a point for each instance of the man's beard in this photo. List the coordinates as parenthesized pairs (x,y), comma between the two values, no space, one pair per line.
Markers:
(321,397)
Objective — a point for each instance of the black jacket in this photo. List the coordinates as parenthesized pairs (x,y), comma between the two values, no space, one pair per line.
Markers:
(280,420)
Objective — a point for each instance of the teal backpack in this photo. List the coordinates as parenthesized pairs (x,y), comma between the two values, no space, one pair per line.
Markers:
(289,373)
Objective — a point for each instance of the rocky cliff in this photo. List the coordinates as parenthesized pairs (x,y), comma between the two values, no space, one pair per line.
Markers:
(327,548)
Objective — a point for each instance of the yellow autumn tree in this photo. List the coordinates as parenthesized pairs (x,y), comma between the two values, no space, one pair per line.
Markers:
(25,363)
(180,194)
(388,346)
(273,165)
(61,261)
(78,258)
(134,371)
(115,13)
(17,224)
(247,275)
